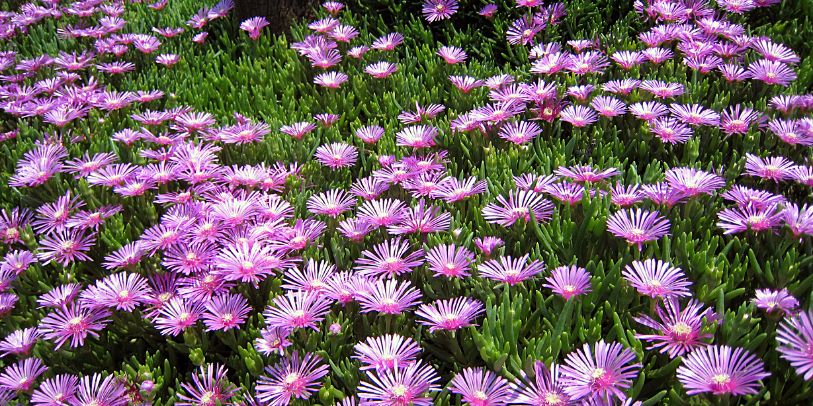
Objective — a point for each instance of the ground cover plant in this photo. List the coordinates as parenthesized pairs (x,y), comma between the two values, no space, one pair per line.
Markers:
(407,203)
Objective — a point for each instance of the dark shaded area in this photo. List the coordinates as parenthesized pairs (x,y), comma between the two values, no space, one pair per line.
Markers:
(281,14)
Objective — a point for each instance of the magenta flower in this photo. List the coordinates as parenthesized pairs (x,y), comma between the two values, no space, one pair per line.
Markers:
(669,130)
(59,390)
(569,281)
(272,340)
(39,164)
(775,301)
(245,262)
(452,55)
(386,352)
(798,219)
(721,370)
(336,155)
(450,315)
(438,10)
(609,107)
(663,90)
(400,386)
(381,70)
(295,310)
(648,111)
(332,80)
(578,116)
(253,26)
(13,224)
(422,219)
(737,119)
(177,315)
(523,31)
(93,390)
(21,375)
(626,196)
(488,244)
(695,114)
(678,331)
(122,291)
(795,342)
(74,323)
(638,226)
(453,190)
(519,205)
(657,279)
(450,261)
(64,247)
(292,377)
(19,342)
(546,389)
(225,312)
(465,83)
(331,203)
(388,296)
(298,130)
(209,386)
(419,136)
(389,259)
(520,132)
(772,168)
(382,213)
(586,173)
(773,51)
(370,134)
(510,270)
(771,72)
(692,182)
(480,387)
(601,372)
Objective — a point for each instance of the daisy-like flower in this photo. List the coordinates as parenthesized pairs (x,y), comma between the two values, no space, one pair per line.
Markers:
(336,155)
(331,203)
(422,219)
(545,389)
(19,342)
(246,262)
(792,132)
(450,315)
(122,291)
(750,217)
(59,390)
(344,33)
(253,26)
(663,90)
(332,80)
(419,136)
(272,340)
(586,173)
(692,182)
(480,387)
(39,164)
(12,224)
(488,244)
(578,116)
(66,246)
(386,352)
(648,111)
(638,226)
(453,190)
(17,261)
(795,342)
(388,296)
(679,331)
(450,261)
(488,10)
(798,219)
(382,213)
(370,134)
(298,130)
(381,69)
(510,270)
(294,310)
(389,259)
(358,51)
(388,42)
(625,196)
(465,83)
(737,119)
(520,132)
(452,55)
(94,390)
(772,168)
(438,10)
(771,72)
(773,51)
(601,372)
(519,205)
(73,323)
(22,375)
(569,281)
(608,106)
(292,377)
(657,279)
(775,301)
(721,370)
(523,31)
(168,60)
(406,385)
(695,114)
(177,315)
(315,278)
(209,387)
(225,312)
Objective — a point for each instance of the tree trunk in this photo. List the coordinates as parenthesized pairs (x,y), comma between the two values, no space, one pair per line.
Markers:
(280,13)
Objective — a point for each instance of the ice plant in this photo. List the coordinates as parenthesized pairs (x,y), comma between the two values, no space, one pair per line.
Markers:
(545,389)
(657,279)
(293,377)
(569,281)
(449,315)
(386,352)
(449,261)
(510,270)
(407,385)
(297,309)
(600,372)
(795,342)
(775,301)
(678,330)
(209,386)
(721,370)
(638,226)
(253,26)
(479,387)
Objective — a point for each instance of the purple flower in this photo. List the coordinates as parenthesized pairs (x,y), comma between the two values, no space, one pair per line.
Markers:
(695,114)
(386,352)
(638,226)
(546,389)
(450,315)
(388,296)
(332,80)
(74,323)
(772,168)
(657,279)
(292,377)
(601,372)
(569,282)
(452,55)
(93,390)
(295,310)
(488,244)
(578,116)
(799,220)
(177,315)
(419,136)
(122,291)
(389,259)
(422,219)
(380,70)
(692,182)
(39,165)
(21,376)
(225,312)
(795,339)
(608,106)
(520,132)
(59,390)
(336,155)
(775,301)
(519,205)
(480,387)
(253,26)
(19,342)
(400,385)
(771,72)
(679,331)
(449,261)
(272,340)
(438,10)
(510,270)
(721,370)
(209,386)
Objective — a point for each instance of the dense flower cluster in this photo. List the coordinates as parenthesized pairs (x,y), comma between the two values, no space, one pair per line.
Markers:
(355,272)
